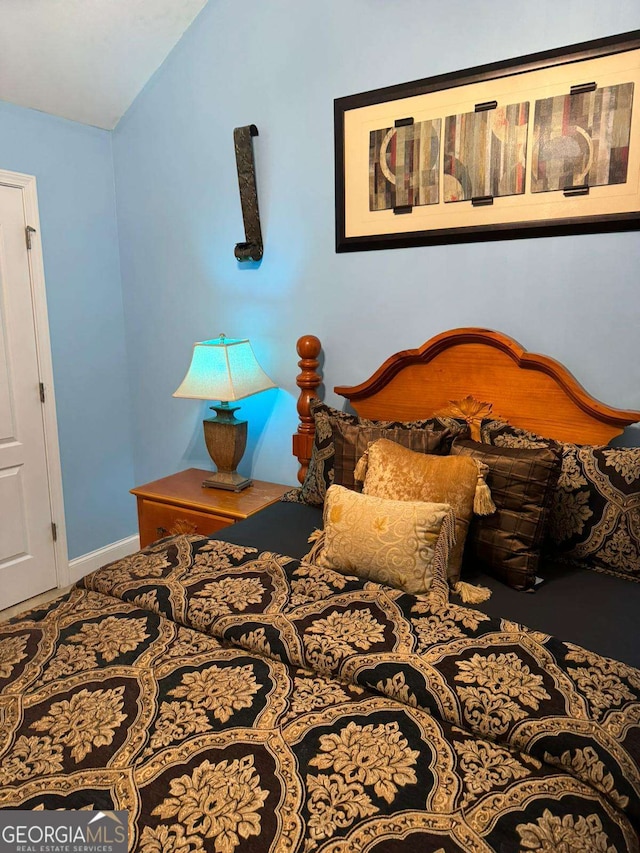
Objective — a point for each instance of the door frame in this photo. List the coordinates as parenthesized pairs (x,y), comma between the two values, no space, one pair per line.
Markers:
(27,185)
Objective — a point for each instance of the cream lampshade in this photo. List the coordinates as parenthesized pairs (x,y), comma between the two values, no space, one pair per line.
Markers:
(226,370)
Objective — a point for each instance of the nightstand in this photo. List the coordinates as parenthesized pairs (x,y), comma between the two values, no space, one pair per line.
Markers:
(179,504)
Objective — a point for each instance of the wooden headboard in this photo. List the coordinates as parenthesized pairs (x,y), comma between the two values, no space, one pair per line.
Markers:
(526,389)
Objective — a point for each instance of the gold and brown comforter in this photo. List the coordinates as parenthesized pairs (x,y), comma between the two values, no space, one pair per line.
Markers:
(233,701)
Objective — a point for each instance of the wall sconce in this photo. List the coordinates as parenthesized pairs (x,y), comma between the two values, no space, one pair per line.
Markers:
(251,249)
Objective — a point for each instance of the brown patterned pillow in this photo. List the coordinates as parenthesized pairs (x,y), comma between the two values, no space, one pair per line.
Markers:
(522,483)
(293,496)
(320,474)
(352,440)
(595,512)
(396,473)
(502,434)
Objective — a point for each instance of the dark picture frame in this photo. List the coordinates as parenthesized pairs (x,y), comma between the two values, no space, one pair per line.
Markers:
(360,122)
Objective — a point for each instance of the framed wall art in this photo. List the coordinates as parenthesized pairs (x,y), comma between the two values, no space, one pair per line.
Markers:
(535,146)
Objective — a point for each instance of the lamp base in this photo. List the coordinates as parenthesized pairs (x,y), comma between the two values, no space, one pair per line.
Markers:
(231,481)
(226,439)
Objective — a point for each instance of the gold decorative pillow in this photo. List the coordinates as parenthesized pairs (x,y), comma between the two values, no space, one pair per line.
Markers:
(404,544)
(395,473)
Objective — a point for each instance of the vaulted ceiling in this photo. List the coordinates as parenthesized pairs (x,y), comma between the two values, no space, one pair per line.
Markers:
(86,60)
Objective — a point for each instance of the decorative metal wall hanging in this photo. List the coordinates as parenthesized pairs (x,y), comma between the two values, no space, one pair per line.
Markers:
(252,248)
(534,146)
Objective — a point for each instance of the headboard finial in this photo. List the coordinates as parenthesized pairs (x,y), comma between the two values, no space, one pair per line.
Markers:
(470,410)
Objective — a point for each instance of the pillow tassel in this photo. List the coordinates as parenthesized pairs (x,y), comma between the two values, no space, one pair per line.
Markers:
(446,541)
(470,593)
(482,501)
(360,471)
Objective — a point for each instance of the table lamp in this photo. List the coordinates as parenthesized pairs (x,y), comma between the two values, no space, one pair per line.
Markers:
(226,370)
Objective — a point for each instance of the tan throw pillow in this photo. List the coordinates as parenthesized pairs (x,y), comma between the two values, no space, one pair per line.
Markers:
(403,544)
(395,473)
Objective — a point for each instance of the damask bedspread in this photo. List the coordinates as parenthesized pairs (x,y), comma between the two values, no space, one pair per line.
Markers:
(232,701)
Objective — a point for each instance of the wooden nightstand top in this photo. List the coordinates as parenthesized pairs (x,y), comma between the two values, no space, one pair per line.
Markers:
(185,489)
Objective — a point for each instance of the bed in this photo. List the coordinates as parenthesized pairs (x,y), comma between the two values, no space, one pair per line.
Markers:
(591,608)
(232,696)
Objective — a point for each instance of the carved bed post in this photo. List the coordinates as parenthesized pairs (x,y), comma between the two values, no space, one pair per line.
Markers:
(308,380)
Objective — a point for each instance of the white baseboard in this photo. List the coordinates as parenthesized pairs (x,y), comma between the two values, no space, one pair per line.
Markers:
(81,566)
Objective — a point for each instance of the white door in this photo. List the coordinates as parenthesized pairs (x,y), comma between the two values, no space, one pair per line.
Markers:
(27,550)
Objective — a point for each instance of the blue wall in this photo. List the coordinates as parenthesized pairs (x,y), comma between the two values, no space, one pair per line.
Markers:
(279,65)
(73,166)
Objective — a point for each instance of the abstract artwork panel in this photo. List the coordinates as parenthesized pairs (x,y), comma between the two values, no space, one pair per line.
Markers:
(582,139)
(484,153)
(404,165)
